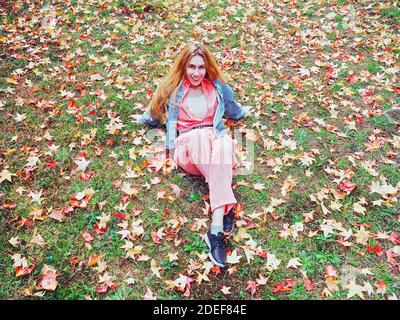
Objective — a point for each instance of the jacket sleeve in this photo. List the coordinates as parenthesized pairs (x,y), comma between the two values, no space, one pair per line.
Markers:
(233,109)
(146,119)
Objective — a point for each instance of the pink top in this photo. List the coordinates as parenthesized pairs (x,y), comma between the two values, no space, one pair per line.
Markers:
(186,119)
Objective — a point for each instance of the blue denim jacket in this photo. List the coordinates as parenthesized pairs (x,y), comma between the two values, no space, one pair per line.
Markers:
(226,106)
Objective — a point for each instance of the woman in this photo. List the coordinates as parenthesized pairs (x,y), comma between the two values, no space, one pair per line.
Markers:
(194,97)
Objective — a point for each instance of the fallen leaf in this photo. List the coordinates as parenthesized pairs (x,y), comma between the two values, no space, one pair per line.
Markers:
(47,279)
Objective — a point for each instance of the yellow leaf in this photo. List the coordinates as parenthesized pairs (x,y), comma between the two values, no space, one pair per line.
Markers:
(11,80)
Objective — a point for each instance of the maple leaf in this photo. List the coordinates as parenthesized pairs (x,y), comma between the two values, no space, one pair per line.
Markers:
(327,229)
(381,285)
(294,263)
(36,196)
(199,223)
(354,289)
(82,164)
(362,236)
(288,185)
(287,285)
(14,241)
(226,290)
(233,257)
(358,208)
(272,262)
(252,286)
(259,186)
(175,189)
(129,189)
(201,277)
(375,249)
(96,77)
(262,280)
(149,295)
(383,189)
(155,269)
(308,285)
(182,283)
(106,283)
(87,236)
(38,213)
(6,175)
(345,243)
(155,180)
(21,265)
(161,194)
(37,239)
(94,259)
(57,214)
(172,256)
(330,271)
(47,279)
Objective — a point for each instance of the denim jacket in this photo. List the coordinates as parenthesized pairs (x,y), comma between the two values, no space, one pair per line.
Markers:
(226,106)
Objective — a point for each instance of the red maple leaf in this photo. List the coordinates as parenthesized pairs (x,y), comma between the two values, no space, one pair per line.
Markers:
(119,216)
(149,94)
(308,285)
(9,205)
(155,237)
(347,186)
(51,164)
(287,285)
(20,271)
(99,230)
(396,89)
(252,286)
(110,142)
(393,238)
(216,270)
(351,78)
(375,249)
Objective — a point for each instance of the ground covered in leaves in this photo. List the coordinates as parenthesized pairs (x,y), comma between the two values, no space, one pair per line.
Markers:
(89,211)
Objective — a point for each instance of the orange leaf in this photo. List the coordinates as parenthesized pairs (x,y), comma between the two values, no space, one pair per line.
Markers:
(94,259)
(20,271)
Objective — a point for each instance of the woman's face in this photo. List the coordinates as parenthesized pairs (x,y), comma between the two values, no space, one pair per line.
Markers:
(196,70)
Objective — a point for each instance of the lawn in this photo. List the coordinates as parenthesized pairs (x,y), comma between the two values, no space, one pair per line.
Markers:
(89,211)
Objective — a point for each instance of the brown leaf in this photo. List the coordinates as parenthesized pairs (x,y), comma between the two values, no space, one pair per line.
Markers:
(58,214)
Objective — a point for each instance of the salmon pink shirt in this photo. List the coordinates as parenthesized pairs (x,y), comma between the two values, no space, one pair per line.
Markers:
(186,119)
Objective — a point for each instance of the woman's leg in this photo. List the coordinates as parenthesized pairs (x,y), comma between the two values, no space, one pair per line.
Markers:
(202,153)
(217,221)
(220,174)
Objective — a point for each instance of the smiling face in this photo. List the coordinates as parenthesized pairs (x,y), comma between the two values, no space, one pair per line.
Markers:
(196,70)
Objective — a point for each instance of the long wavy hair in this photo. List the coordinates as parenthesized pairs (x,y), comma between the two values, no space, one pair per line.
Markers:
(169,85)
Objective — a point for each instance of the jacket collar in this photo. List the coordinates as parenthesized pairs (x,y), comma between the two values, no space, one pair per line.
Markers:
(184,82)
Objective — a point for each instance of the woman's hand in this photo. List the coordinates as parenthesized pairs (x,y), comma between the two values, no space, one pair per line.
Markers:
(248,111)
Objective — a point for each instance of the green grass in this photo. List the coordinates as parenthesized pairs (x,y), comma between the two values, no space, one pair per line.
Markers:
(112,31)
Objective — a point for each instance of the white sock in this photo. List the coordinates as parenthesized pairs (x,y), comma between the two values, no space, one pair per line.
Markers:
(216,229)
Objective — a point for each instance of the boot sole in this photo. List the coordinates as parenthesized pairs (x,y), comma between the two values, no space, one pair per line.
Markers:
(210,255)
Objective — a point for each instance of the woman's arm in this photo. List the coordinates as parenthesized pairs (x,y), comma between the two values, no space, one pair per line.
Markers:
(233,109)
(145,118)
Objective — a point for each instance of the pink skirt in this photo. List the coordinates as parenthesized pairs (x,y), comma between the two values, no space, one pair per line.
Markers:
(201,153)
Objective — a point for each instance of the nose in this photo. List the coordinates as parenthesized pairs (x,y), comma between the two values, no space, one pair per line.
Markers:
(196,71)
